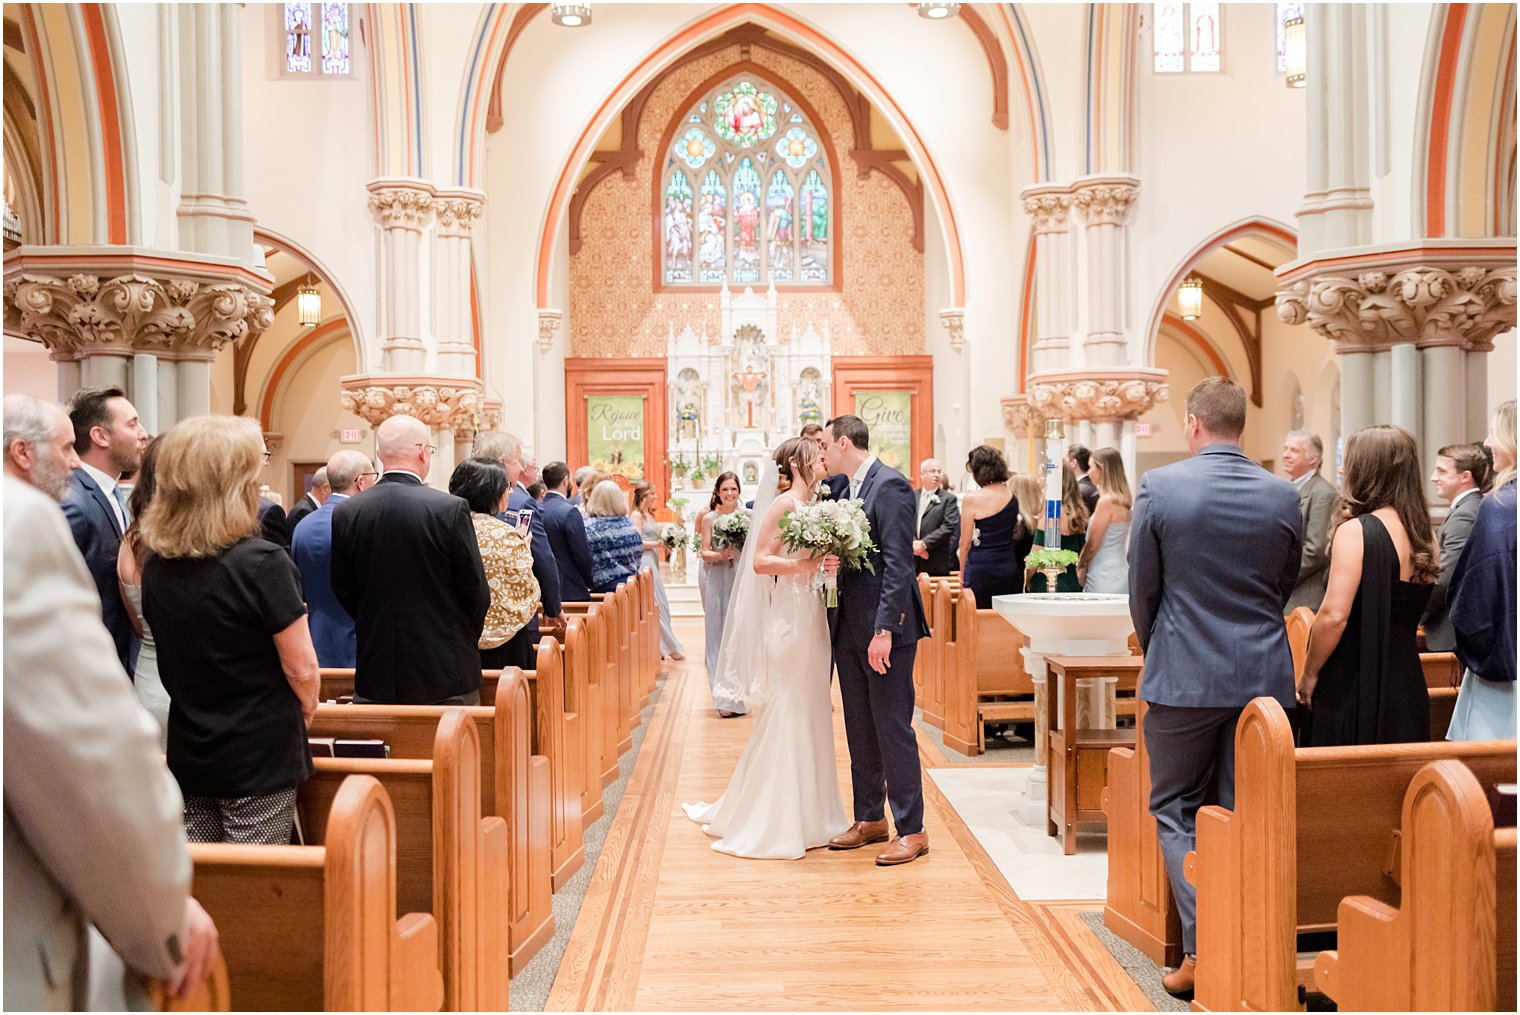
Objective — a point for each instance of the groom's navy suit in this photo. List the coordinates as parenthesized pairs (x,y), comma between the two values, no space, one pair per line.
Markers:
(878,707)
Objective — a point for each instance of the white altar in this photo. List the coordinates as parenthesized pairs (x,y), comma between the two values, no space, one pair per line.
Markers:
(735,398)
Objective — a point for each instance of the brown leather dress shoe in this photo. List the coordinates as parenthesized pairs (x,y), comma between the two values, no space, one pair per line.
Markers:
(906,849)
(861,833)
(1179,982)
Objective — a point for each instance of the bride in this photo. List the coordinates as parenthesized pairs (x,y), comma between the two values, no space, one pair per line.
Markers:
(783,799)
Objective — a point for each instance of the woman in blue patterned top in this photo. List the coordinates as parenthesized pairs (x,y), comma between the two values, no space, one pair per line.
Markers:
(616,545)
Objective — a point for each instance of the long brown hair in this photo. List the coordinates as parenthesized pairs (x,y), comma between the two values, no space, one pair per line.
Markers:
(1031,500)
(799,451)
(208,497)
(643,488)
(1111,480)
(712,505)
(1382,469)
(1073,507)
(142,496)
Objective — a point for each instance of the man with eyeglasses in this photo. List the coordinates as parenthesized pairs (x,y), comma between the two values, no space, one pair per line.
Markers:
(332,629)
(407,568)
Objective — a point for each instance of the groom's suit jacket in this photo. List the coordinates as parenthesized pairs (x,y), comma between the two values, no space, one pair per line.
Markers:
(888,599)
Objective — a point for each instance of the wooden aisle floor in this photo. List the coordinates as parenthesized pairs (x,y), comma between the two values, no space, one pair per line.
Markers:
(669,924)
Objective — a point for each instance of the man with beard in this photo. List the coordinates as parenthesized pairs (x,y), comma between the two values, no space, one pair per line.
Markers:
(110,441)
(39,444)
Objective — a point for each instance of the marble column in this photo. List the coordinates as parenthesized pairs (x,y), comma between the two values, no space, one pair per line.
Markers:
(1049,207)
(213,214)
(1337,208)
(402,207)
(1105,204)
(453,323)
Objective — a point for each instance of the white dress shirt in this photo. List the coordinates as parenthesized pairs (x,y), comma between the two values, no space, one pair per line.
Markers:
(857,480)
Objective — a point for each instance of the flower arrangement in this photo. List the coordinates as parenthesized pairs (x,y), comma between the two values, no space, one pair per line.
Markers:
(729,531)
(1043,559)
(839,527)
(673,536)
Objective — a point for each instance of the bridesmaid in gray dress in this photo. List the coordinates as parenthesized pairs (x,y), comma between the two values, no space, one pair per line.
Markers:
(719,565)
(643,516)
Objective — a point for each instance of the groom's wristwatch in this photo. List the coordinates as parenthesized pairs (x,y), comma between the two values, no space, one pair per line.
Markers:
(884,631)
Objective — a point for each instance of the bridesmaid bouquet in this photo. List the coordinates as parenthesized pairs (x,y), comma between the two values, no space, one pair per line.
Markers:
(729,531)
(839,527)
(673,536)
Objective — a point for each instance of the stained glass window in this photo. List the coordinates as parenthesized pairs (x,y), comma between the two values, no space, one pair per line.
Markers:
(763,192)
(1284,12)
(298,38)
(1166,36)
(334,38)
(1203,37)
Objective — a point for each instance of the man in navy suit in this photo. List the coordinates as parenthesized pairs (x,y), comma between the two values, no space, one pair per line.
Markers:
(320,490)
(110,441)
(567,534)
(875,633)
(506,447)
(332,629)
(1214,554)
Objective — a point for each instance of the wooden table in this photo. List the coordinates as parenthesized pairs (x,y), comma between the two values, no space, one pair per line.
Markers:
(1080,741)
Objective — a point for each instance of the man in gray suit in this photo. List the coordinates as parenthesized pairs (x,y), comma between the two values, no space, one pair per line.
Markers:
(1302,454)
(1213,555)
(93,820)
(1460,475)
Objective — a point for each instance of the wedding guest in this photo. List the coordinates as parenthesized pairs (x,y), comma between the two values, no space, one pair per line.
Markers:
(482,484)
(333,634)
(109,441)
(311,501)
(129,563)
(234,650)
(529,474)
(1362,681)
(616,546)
(1213,554)
(566,529)
(407,568)
(718,567)
(1302,454)
(989,516)
(1102,566)
(939,521)
(645,501)
(39,444)
(1460,478)
(583,475)
(94,824)
(1074,522)
(536,490)
(1031,494)
(1483,601)
(1079,460)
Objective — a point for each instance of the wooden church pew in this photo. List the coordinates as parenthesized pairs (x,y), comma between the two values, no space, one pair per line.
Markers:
(557,737)
(583,697)
(602,693)
(337,683)
(1310,826)
(924,659)
(314,928)
(517,789)
(983,671)
(929,663)
(649,631)
(450,861)
(1450,943)
(1441,669)
(211,994)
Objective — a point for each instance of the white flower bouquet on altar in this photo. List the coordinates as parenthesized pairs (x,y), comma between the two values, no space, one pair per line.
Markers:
(673,536)
(729,531)
(839,527)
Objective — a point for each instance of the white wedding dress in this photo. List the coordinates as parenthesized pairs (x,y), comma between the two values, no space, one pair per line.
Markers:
(783,799)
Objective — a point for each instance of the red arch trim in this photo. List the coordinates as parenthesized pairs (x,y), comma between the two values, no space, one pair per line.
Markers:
(110,123)
(1440,121)
(318,335)
(1202,341)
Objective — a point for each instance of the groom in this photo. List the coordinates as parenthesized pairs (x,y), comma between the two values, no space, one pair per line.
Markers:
(876,630)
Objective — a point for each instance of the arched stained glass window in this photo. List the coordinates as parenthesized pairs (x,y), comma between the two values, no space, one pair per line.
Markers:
(298,38)
(746,192)
(315,38)
(1284,12)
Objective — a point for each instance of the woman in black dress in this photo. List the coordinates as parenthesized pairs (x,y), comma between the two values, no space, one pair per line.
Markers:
(1362,681)
(990,562)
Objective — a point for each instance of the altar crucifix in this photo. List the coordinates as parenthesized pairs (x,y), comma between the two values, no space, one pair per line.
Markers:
(749,383)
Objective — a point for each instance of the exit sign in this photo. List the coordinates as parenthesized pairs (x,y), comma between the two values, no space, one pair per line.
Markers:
(351,434)
(1142,429)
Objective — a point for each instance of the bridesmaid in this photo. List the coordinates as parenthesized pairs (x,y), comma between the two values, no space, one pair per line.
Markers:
(989,556)
(644,504)
(1074,519)
(719,567)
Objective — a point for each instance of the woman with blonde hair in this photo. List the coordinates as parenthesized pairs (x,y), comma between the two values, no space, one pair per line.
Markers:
(1102,566)
(1362,681)
(616,546)
(1482,601)
(234,651)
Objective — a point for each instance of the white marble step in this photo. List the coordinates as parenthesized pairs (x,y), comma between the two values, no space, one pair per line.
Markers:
(684,599)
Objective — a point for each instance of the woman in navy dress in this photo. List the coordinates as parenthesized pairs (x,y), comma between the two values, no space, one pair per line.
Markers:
(990,562)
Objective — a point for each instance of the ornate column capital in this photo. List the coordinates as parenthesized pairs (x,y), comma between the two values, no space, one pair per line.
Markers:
(457,211)
(1049,206)
(1456,293)
(120,301)
(273,440)
(1022,418)
(954,321)
(548,324)
(445,403)
(1101,396)
(1105,200)
(400,203)
(488,416)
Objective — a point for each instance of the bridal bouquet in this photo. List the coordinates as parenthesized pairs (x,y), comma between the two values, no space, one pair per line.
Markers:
(831,526)
(729,531)
(673,536)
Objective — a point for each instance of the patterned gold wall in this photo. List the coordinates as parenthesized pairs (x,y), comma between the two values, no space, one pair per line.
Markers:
(614,310)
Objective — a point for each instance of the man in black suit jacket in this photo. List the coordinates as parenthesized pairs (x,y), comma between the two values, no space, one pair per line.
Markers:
(273,524)
(1461,473)
(566,530)
(939,519)
(319,492)
(1079,458)
(110,441)
(407,568)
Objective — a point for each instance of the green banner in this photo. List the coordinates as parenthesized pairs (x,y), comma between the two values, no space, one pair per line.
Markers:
(889,415)
(615,434)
